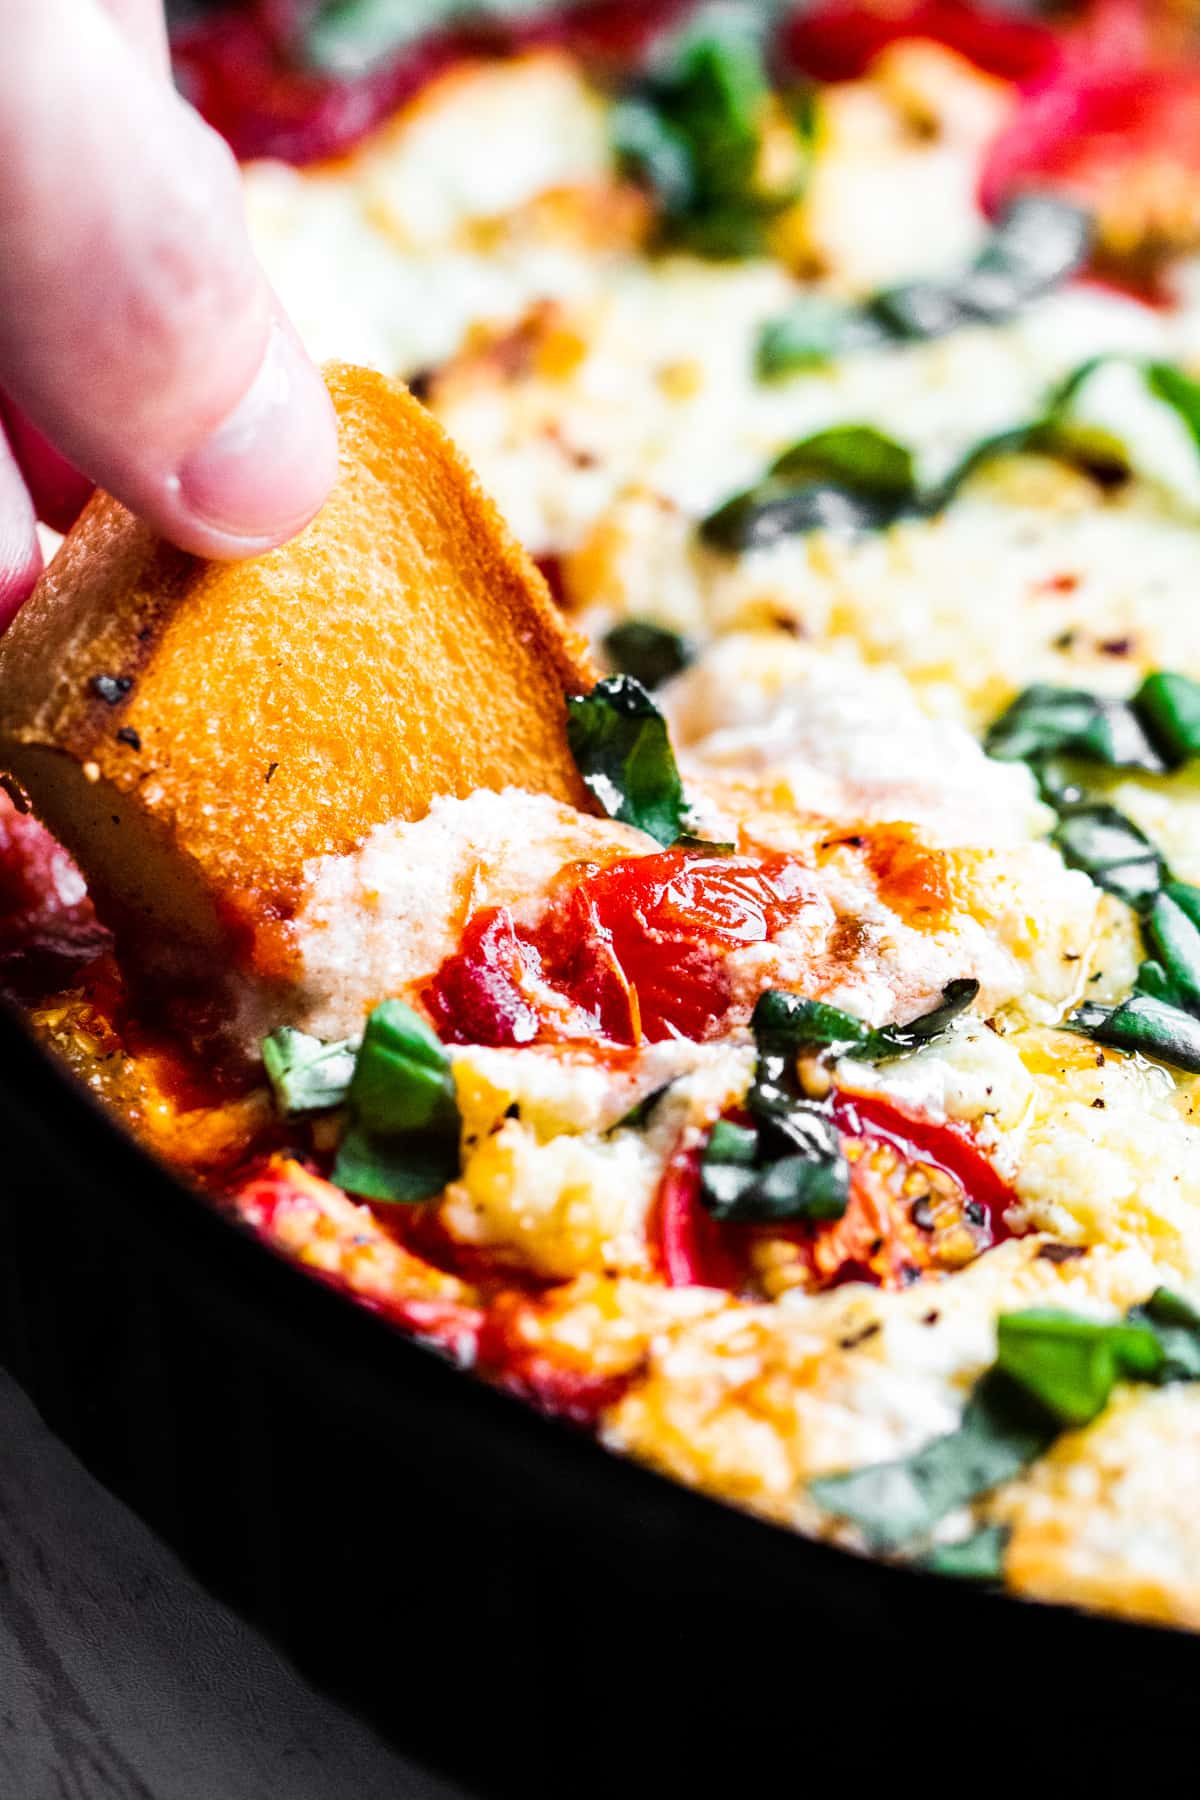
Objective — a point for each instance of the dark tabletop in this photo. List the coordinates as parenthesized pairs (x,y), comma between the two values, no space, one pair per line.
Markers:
(121,1679)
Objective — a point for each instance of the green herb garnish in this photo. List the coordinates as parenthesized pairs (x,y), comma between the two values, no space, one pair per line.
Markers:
(787,1163)
(693,134)
(1146,1025)
(898,1503)
(979,1557)
(1053,1371)
(306,1074)
(850,477)
(403,1141)
(621,748)
(1110,848)
(648,652)
(1039,242)
(1157,730)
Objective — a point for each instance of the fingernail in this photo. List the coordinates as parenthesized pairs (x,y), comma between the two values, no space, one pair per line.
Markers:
(265,471)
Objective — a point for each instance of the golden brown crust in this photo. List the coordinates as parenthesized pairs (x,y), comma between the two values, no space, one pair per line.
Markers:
(195,732)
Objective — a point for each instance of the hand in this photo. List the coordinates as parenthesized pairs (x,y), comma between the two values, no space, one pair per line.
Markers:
(140,343)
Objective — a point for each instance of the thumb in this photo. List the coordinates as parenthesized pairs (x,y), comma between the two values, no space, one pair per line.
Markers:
(136,329)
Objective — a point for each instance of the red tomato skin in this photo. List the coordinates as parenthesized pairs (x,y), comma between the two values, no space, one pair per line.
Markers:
(628,953)
(840,40)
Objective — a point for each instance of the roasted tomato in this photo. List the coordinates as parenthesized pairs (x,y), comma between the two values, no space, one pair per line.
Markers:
(923,1199)
(840,40)
(631,952)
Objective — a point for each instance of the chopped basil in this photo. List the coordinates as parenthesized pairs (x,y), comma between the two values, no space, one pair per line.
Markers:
(1053,1371)
(1146,1025)
(1070,1365)
(1039,242)
(850,477)
(1112,850)
(693,133)
(1059,430)
(619,741)
(306,1074)
(979,1557)
(742,1180)
(1046,721)
(788,1162)
(1176,1324)
(897,1503)
(648,652)
(1179,391)
(1169,707)
(1173,936)
(894,1040)
(814,331)
(402,1080)
(401,1171)
(402,1144)
(787,1024)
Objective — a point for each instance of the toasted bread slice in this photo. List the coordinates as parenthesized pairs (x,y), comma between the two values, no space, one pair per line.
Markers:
(195,732)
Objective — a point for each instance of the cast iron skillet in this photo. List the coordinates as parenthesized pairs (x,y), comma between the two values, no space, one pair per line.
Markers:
(497,1591)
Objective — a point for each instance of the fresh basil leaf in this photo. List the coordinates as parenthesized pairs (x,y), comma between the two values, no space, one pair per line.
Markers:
(619,741)
(1112,850)
(895,1503)
(1146,1026)
(1176,941)
(1176,1324)
(1153,980)
(848,478)
(1179,391)
(402,1080)
(403,1170)
(813,332)
(305,1073)
(1186,898)
(1046,720)
(785,1024)
(693,134)
(774,509)
(1070,1365)
(648,652)
(402,1144)
(733,1186)
(1039,242)
(979,1557)
(856,458)
(1054,1370)
(895,1040)
(1169,706)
